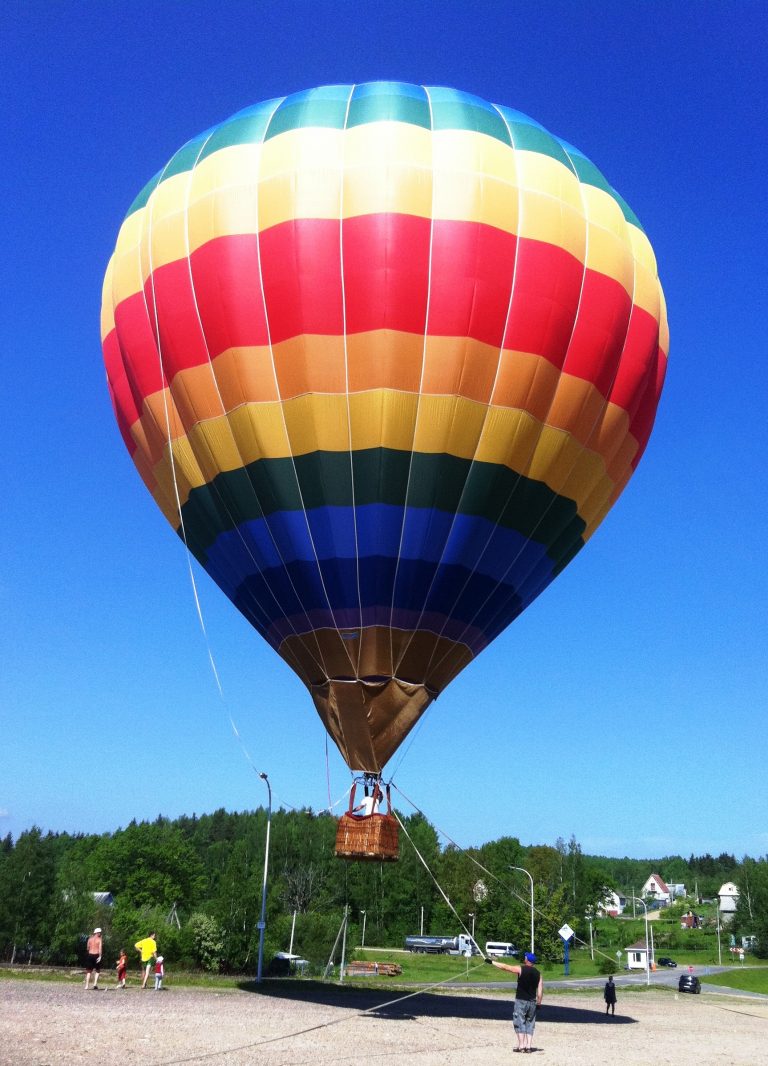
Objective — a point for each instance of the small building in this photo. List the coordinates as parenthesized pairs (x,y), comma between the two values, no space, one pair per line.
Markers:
(656,889)
(728,898)
(636,956)
(103,899)
(676,891)
(612,905)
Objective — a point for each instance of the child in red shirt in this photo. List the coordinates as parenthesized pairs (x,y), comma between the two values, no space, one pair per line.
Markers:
(159,972)
(122,966)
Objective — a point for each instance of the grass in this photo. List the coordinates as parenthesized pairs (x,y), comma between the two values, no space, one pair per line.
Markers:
(748,980)
(417,969)
(74,975)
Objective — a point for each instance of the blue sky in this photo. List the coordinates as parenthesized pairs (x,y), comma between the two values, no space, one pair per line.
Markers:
(626,706)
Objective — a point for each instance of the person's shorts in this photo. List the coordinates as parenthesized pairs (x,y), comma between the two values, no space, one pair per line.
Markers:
(92,962)
(524,1015)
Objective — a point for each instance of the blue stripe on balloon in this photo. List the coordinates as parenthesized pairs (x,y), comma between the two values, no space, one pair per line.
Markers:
(329,594)
(328,533)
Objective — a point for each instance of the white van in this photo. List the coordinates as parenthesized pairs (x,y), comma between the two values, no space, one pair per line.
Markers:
(500,947)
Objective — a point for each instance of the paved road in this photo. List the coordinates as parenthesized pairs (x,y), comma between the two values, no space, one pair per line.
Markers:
(666,978)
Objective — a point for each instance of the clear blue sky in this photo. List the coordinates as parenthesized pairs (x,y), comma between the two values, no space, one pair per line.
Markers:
(627,705)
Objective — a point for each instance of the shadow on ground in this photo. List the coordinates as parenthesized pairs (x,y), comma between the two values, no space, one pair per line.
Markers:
(399,1005)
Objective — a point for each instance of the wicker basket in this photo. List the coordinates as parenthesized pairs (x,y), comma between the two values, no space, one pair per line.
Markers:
(371,838)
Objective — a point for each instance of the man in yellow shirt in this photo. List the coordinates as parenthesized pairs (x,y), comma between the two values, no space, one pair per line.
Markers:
(147,949)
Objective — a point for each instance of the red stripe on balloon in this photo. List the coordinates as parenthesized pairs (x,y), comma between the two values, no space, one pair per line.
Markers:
(394,267)
(599,332)
(123,403)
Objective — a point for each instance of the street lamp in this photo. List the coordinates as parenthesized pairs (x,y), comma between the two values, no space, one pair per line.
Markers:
(262,922)
(647,948)
(472,916)
(719,945)
(524,871)
(362,939)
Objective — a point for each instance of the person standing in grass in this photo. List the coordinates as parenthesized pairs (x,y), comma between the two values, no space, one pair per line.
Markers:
(159,972)
(147,949)
(530,991)
(121,967)
(93,962)
(609,995)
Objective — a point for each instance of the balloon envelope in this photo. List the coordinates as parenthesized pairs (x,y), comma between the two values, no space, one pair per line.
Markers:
(385,356)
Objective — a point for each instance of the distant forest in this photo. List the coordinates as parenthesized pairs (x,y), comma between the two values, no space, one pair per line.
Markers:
(197,882)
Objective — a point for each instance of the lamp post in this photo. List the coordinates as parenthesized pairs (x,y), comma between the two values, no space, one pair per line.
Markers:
(262,922)
(362,939)
(719,945)
(647,948)
(472,916)
(524,871)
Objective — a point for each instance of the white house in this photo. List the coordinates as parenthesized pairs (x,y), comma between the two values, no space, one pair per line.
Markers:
(612,905)
(728,897)
(656,888)
(636,956)
(676,891)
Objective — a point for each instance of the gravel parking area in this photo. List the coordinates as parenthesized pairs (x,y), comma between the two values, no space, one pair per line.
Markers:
(50,1024)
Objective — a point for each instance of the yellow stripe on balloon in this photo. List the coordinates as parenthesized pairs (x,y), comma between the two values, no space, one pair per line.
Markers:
(563,227)
(547,175)
(107,318)
(610,256)
(647,291)
(386,419)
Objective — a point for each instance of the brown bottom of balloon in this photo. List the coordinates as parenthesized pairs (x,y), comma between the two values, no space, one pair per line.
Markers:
(368,720)
(373,838)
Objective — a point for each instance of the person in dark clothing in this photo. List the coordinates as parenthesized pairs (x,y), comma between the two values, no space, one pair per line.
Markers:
(609,995)
(530,990)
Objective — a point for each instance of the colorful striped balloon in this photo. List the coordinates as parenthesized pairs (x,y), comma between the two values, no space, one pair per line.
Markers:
(385,355)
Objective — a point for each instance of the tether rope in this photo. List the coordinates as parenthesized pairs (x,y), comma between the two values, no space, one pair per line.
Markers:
(320,1025)
(536,910)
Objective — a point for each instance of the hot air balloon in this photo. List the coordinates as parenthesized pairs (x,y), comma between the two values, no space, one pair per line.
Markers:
(384,355)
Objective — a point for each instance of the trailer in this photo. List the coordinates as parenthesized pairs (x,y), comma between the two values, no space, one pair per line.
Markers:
(442,945)
(429,945)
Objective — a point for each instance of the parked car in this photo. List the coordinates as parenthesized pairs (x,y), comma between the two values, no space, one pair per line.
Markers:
(666,961)
(689,982)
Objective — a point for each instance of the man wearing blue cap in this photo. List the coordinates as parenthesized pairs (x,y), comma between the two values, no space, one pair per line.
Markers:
(530,989)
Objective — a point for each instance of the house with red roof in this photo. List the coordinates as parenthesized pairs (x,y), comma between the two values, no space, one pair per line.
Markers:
(657,889)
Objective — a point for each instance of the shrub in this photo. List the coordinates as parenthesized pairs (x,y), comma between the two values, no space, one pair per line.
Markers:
(207,940)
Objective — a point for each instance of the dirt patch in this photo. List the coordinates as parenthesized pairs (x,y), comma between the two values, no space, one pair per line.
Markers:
(50,1024)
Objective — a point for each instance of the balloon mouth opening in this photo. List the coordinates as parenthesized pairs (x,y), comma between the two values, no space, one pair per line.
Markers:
(369,718)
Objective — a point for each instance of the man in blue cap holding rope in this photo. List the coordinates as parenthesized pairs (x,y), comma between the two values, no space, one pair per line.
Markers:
(530,989)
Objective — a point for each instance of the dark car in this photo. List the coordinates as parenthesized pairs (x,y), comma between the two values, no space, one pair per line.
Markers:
(665,961)
(689,983)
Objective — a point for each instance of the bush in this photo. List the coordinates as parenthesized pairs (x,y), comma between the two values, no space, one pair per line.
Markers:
(207,941)
(607,966)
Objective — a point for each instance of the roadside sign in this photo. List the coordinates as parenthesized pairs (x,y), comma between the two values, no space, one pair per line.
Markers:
(565,931)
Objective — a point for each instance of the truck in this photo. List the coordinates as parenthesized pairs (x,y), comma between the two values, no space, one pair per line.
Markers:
(442,945)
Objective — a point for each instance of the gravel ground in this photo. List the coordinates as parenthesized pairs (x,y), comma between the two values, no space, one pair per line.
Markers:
(50,1024)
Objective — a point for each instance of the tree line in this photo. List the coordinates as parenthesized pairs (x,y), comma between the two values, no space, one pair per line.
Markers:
(197,882)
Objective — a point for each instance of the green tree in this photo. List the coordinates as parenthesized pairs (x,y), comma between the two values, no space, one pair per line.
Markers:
(207,940)
(27,882)
(148,866)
